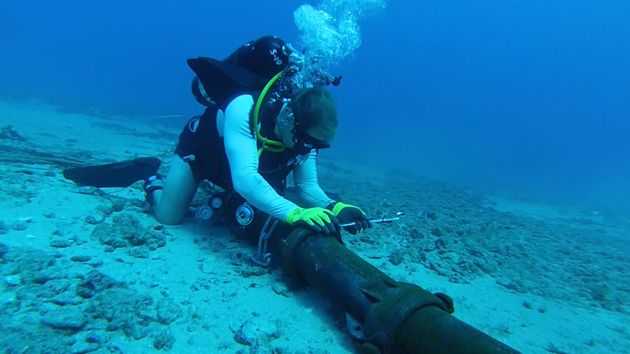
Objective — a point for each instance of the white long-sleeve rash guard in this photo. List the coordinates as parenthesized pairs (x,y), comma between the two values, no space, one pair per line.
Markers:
(242,154)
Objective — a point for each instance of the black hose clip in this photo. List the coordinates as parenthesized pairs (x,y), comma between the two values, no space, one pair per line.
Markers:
(392,304)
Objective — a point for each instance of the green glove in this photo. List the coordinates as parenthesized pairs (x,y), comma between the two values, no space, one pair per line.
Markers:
(316,219)
(347,213)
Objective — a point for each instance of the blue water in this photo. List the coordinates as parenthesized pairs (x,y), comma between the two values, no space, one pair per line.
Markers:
(528,98)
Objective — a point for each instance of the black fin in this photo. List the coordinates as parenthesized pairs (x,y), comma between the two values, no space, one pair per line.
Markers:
(118,174)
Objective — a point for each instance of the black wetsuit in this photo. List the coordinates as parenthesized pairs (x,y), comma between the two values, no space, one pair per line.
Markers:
(201,145)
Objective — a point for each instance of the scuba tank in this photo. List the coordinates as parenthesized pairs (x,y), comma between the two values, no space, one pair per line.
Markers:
(249,68)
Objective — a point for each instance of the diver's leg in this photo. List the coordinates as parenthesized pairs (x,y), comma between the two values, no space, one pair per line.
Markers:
(171,202)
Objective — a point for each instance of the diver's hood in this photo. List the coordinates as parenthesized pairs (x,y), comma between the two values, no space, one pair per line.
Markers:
(222,80)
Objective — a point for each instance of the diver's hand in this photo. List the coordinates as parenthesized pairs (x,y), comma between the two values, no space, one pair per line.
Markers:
(347,214)
(317,219)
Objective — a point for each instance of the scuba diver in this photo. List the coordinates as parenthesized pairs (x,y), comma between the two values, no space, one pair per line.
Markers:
(266,117)
(257,128)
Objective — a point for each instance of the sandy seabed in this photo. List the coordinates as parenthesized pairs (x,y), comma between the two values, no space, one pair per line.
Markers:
(86,270)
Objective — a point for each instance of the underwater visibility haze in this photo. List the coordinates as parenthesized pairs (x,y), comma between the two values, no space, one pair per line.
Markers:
(500,128)
(529,97)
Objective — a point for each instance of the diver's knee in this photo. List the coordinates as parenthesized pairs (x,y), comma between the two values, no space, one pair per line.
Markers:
(167,215)
(179,188)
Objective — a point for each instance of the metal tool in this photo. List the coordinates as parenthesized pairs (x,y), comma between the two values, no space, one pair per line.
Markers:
(378,220)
